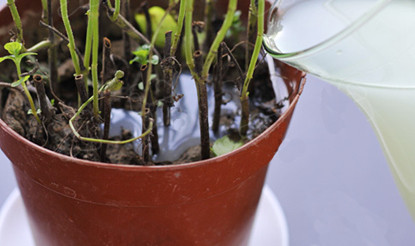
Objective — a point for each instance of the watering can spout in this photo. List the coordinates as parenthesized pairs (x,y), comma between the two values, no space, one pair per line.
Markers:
(309,35)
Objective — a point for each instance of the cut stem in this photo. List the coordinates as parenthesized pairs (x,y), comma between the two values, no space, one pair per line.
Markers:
(106,61)
(52,51)
(43,100)
(107,123)
(217,87)
(167,68)
(200,83)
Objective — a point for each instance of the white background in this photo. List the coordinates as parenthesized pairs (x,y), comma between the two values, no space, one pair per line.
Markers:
(329,175)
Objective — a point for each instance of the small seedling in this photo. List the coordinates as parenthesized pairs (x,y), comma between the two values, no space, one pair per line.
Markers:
(16,55)
(141,56)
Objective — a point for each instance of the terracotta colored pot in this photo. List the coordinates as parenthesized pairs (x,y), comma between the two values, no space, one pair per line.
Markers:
(213,202)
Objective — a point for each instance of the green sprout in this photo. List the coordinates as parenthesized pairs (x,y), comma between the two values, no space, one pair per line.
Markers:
(16,55)
(141,56)
(116,83)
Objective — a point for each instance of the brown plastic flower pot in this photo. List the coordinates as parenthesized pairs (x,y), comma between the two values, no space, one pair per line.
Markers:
(77,202)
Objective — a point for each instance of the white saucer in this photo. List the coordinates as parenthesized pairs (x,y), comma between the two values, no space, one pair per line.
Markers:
(270,227)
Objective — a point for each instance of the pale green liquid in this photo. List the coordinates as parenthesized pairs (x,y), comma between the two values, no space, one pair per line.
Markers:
(375,66)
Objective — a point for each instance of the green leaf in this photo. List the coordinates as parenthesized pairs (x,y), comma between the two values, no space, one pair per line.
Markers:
(141,56)
(38,111)
(225,145)
(155,60)
(139,59)
(153,76)
(141,52)
(20,81)
(6,57)
(13,48)
(140,86)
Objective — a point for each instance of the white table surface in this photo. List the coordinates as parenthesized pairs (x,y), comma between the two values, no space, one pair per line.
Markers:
(329,175)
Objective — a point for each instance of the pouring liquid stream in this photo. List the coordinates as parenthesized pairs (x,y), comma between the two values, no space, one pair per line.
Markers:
(373,63)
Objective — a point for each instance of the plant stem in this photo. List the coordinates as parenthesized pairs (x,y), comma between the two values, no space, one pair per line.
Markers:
(125,34)
(145,150)
(43,101)
(197,55)
(240,80)
(251,68)
(107,123)
(208,24)
(217,86)
(61,35)
(188,39)
(116,10)
(167,68)
(250,34)
(203,120)
(220,36)
(16,19)
(200,83)
(87,51)
(27,93)
(106,60)
(52,51)
(40,46)
(69,33)
(83,94)
(147,79)
(45,12)
(179,28)
(93,19)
